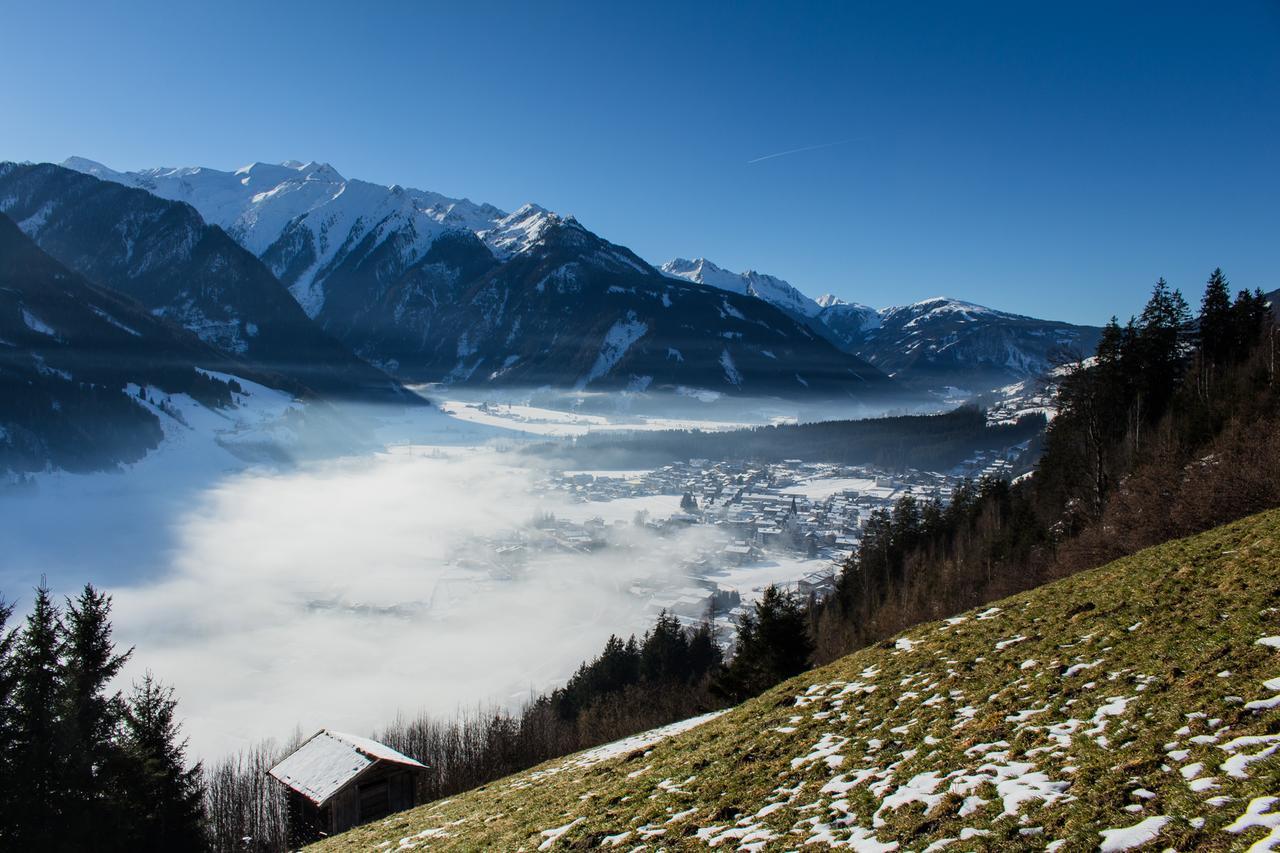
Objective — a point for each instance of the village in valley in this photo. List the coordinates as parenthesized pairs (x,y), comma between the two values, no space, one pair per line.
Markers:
(725,529)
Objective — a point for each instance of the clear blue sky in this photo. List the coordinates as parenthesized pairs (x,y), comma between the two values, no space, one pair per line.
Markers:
(1052,159)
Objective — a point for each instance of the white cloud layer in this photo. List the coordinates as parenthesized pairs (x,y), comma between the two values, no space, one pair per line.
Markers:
(332,595)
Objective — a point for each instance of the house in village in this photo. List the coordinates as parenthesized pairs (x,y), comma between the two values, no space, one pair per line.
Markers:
(336,781)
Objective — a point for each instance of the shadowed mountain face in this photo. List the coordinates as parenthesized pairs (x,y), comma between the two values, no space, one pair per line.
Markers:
(69,352)
(573,310)
(163,254)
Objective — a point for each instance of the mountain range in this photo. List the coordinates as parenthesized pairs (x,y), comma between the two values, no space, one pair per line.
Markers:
(301,280)
(166,257)
(436,289)
(931,344)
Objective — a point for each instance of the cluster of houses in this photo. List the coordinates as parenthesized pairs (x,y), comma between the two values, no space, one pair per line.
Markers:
(792,512)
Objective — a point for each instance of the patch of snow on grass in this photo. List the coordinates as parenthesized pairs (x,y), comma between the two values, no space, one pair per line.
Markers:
(553,835)
(1128,837)
(1259,814)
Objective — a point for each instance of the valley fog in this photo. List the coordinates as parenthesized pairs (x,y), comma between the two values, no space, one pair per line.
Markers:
(343,591)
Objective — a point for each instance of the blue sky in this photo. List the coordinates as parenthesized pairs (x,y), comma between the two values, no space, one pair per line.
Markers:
(1048,159)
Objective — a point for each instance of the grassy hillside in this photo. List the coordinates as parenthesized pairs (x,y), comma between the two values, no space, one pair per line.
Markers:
(1136,703)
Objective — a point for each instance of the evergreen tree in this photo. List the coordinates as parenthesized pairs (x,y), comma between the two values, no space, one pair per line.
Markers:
(166,809)
(617,667)
(664,654)
(1249,317)
(773,645)
(91,718)
(705,656)
(38,720)
(8,722)
(1161,328)
(1216,322)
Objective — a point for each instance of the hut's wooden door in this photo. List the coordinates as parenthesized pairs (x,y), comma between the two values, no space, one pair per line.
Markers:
(375,800)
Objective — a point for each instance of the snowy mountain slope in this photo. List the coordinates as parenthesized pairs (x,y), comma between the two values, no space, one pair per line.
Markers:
(437,289)
(930,344)
(396,274)
(306,221)
(750,283)
(938,342)
(845,323)
(86,373)
(164,255)
(1134,706)
(573,310)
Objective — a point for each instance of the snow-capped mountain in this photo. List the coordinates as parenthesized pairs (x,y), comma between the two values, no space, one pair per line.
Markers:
(165,256)
(944,341)
(845,323)
(437,289)
(307,222)
(930,344)
(573,310)
(750,283)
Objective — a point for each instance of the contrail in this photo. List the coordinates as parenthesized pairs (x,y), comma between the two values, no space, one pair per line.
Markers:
(799,150)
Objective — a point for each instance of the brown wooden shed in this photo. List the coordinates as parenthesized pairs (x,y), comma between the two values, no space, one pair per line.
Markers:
(336,781)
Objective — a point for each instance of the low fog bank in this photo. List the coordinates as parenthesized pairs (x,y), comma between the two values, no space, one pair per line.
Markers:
(312,568)
(342,592)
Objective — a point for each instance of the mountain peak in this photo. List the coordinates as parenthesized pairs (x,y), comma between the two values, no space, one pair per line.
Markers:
(519,231)
(826,300)
(750,283)
(91,167)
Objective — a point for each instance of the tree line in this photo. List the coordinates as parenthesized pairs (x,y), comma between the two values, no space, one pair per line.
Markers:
(929,442)
(83,768)
(1172,427)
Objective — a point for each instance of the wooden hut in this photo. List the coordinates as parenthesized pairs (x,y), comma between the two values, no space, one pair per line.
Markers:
(336,781)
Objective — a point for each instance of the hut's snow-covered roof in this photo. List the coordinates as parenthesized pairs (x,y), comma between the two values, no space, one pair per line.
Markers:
(328,760)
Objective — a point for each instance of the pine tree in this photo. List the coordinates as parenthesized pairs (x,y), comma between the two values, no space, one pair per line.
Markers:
(92,718)
(1159,345)
(1216,321)
(39,762)
(705,656)
(166,802)
(1249,317)
(664,654)
(773,645)
(8,721)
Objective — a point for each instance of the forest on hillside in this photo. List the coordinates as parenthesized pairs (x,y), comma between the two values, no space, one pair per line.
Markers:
(926,442)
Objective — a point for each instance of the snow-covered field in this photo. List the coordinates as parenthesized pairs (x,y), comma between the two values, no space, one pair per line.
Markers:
(551,422)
